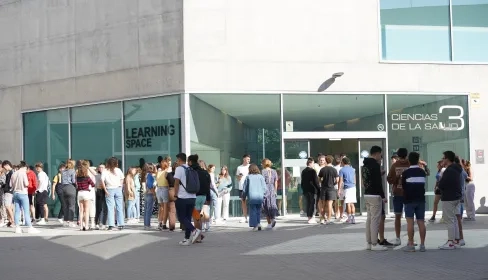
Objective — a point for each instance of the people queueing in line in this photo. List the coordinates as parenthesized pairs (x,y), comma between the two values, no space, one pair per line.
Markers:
(189,192)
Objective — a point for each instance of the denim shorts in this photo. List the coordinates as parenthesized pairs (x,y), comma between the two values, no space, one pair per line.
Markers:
(398,205)
(162,194)
(200,201)
(415,208)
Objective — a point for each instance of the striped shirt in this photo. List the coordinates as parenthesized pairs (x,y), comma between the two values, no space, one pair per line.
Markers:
(84,183)
(413,182)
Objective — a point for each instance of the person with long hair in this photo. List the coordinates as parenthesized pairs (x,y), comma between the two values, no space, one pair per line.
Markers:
(224,187)
(68,181)
(171,194)
(437,191)
(150,194)
(469,193)
(101,204)
(269,202)
(58,190)
(130,194)
(84,183)
(213,196)
(162,193)
(112,180)
(254,189)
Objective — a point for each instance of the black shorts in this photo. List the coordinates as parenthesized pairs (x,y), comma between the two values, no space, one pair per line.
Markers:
(328,194)
(41,198)
(31,199)
(437,191)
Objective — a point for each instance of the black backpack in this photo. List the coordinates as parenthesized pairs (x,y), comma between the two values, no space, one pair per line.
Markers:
(192,184)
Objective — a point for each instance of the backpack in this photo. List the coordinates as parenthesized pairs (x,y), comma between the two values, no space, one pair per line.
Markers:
(192,184)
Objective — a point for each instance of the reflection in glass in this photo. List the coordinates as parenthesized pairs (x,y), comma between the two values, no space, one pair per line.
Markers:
(96,132)
(224,127)
(415,30)
(152,129)
(345,112)
(46,140)
(470,30)
(430,125)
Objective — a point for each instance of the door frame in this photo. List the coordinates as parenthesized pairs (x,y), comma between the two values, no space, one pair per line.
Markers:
(337,136)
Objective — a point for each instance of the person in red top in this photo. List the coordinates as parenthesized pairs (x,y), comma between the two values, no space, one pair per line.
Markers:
(32,177)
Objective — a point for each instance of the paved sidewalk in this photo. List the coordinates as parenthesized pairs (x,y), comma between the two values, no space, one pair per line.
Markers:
(293,250)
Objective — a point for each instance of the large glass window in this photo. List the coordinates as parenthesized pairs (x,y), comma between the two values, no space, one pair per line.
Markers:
(224,127)
(96,132)
(415,30)
(470,30)
(46,140)
(152,129)
(332,112)
(430,125)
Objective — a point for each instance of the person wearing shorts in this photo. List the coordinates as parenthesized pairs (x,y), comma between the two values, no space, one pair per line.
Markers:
(413,182)
(162,194)
(347,188)
(329,176)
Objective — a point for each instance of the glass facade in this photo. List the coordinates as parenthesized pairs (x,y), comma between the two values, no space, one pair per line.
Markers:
(434,30)
(224,127)
(333,112)
(96,132)
(152,128)
(430,125)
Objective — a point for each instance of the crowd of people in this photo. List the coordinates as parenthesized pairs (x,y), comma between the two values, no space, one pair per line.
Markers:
(188,190)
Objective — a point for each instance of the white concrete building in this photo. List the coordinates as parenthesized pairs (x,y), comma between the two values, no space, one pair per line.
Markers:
(142,78)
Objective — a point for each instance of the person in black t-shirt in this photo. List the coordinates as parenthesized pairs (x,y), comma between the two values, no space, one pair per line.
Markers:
(329,178)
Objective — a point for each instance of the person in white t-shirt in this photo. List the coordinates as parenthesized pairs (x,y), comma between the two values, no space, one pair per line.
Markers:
(185,202)
(41,193)
(241,174)
(112,180)
(339,203)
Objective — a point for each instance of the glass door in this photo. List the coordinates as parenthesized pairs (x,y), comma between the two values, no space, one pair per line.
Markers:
(290,198)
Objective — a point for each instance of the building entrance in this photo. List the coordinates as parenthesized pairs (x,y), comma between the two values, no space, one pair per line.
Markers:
(296,152)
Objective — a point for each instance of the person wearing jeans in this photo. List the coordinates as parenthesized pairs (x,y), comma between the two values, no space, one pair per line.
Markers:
(149,186)
(451,194)
(68,194)
(112,179)
(19,183)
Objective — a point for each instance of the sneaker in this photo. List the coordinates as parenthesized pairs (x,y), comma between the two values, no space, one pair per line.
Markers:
(195,234)
(409,248)
(368,246)
(422,248)
(41,222)
(18,230)
(61,221)
(273,223)
(349,220)
(323,222)
(385,243)
(259,227)
(269,227)
(165,227)
(32,230)
(397,242)
(449,245)
(255,229)
(353,220)
(200,239)
(2,224)
(378,247)
(432,220)
(243,220)
(185,242)
(312,221)
(302,213)
(460,242)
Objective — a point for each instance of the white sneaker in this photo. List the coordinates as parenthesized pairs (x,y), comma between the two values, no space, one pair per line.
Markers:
(2,224)
(323,222)
(185,242)
(41,222)
(378,247)
(302,213)
(312,221)
(353,221)
(32,230)
(397,242)
(460,243)
(18,230)
(195,234)
(243,220)
(269,227)
(368,246)
(61,221)
(449,245)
